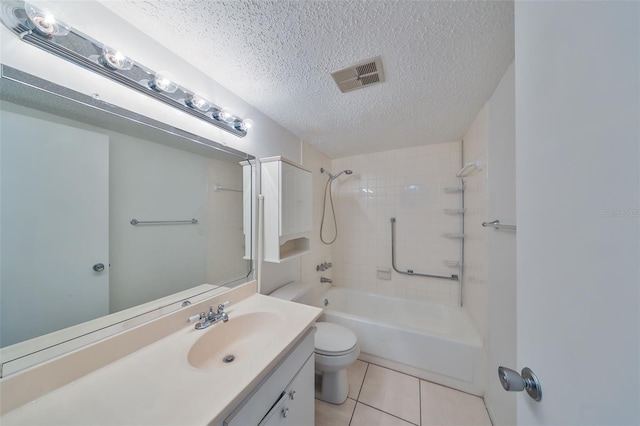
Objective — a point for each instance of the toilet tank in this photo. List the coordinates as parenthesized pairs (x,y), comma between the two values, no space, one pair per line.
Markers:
(296,292)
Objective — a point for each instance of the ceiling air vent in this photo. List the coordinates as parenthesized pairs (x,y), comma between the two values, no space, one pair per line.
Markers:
(359,75)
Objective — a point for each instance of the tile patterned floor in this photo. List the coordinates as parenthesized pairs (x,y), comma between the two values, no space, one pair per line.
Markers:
(382,397)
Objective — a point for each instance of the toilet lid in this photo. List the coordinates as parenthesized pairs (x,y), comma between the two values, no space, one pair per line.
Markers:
(333,338)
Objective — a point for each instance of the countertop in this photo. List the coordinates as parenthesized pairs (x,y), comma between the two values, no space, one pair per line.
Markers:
(157,385)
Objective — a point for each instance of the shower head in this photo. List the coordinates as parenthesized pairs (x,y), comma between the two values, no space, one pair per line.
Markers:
(348,172)
(332,177)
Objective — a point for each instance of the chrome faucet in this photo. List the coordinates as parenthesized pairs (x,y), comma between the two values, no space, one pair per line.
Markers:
(212,318)
(325,280)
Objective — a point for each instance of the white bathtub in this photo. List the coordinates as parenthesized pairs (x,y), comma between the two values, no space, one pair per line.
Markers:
(430,341)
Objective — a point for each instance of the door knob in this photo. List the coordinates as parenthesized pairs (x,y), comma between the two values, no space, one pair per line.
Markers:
(98,267)
(514,382)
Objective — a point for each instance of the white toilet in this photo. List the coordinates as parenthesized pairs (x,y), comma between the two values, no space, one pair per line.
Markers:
(336,348)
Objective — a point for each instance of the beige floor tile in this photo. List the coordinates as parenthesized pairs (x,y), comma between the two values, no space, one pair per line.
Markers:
(367,416)
(392,392)
(334,415)
(445,406)
(355,373)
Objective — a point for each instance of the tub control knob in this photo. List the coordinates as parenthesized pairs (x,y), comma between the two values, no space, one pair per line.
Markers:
(292,394)
(513,382)
(285,412)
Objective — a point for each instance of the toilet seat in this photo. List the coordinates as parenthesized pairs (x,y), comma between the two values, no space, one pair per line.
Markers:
(334,340)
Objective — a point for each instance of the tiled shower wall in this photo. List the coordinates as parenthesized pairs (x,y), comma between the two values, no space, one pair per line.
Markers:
(474,283)
(407,184)
(313,160)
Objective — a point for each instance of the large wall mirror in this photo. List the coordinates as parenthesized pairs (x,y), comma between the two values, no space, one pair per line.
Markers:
(107,215)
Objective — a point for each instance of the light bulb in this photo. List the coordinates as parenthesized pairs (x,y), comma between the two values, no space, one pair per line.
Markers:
(198,102)
(244,125)
(115,60)
(45,23)
(223,114)
(226,116)
(163,82)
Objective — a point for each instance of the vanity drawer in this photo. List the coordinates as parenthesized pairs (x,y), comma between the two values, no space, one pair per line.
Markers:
(296,406)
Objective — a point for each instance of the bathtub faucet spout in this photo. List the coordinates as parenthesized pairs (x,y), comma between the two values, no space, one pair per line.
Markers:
(325,280)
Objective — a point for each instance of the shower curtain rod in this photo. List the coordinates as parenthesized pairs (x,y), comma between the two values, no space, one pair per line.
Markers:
(410,271)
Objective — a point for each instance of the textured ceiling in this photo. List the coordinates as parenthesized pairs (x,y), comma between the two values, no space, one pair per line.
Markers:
(442,60)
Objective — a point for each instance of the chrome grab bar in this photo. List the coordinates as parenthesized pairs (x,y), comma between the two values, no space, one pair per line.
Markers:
(135,222)
(497,225)
(410,271)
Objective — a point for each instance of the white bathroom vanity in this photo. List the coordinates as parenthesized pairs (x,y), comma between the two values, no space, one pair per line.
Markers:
(182,377)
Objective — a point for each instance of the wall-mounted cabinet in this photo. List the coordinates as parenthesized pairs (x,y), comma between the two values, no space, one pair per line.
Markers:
(287,190)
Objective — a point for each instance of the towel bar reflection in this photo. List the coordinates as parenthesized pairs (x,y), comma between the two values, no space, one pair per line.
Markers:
(496,224)
(217,187)
(135,222)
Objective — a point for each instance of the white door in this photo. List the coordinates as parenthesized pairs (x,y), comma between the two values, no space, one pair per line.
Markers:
(578,206)
(54,228)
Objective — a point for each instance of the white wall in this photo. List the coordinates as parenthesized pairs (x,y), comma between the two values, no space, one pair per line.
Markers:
(474,282)
(578,184)
(406,184)
(500,342)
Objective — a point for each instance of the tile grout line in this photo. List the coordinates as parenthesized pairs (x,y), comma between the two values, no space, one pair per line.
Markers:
(359,391)
(421,379)
(382,411)
(362,384)
(420,399)
(378,409)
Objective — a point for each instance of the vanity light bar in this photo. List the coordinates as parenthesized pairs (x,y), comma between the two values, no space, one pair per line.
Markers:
(43,30)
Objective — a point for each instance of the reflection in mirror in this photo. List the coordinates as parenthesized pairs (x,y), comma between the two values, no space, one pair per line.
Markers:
(104,211)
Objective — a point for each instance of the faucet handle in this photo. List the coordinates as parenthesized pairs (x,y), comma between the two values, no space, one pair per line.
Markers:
(221,306)
(194,317)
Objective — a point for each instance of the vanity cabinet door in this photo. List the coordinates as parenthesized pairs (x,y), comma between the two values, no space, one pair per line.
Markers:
(296,407)
(290,385)
(295,199)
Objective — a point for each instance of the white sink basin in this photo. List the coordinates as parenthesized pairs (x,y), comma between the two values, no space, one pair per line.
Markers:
(235,341)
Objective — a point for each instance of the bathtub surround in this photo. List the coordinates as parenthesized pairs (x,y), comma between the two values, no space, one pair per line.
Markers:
(318,253)
(474,279)
(407,184)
